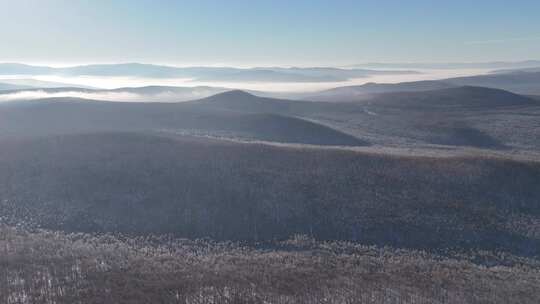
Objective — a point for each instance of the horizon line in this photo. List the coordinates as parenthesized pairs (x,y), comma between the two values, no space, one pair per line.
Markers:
(254,66)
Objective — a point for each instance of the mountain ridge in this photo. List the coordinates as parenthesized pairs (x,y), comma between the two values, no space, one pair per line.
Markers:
(199,73)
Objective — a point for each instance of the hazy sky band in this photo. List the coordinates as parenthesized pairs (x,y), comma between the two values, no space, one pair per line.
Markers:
(241,32)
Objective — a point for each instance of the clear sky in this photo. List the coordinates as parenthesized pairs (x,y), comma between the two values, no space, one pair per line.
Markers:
(272,32)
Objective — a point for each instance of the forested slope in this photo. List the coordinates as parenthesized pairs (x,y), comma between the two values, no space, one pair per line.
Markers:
(189,187)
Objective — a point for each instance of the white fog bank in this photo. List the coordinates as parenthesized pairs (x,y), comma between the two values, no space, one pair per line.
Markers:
(120,82)
(131,89)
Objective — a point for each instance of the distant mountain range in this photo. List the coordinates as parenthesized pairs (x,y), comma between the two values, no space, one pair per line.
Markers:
(9,86)
(523,70)
(454,65)
(219,74)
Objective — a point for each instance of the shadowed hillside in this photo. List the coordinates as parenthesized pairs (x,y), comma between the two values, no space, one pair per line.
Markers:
(457,117)
(69,115)
(461,97)
(461,117)
(241,101)
(527,83)
(354,93)
(464,116)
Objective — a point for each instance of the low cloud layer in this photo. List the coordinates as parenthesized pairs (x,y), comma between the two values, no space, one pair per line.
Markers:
(105,96)
(177,90)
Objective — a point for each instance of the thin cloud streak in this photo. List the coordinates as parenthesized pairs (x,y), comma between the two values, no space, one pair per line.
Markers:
(497,41)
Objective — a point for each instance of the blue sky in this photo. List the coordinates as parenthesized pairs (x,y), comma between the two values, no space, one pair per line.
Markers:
(241,32)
